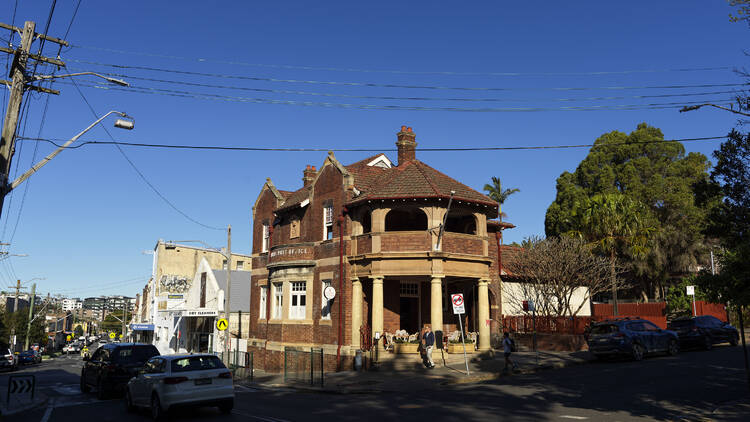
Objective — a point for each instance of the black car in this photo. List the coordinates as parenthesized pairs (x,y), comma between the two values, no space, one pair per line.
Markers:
(704,331)
(630,337)
(29,356)
(111,366)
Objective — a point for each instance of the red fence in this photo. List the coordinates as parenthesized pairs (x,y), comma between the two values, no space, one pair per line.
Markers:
(716,309)
(654,312)
(560,325)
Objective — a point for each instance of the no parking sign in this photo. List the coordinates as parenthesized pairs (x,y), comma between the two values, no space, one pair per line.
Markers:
(458,303)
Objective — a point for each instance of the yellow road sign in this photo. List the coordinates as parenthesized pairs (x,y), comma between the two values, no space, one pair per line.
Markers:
(120,336)
(222,324)
(69,337)
(111,335)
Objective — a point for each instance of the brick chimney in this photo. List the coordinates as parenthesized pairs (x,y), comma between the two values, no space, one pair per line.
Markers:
(406,145)
(308,175)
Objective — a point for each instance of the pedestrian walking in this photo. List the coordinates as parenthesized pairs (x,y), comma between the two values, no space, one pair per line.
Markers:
(428,343)
(508,348)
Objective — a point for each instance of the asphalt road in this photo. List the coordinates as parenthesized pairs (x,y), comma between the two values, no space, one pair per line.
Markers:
(689,386)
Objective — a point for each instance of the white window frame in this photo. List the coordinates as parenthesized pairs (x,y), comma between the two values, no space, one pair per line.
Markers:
(328,222)
(278,300)
(266,234)
(325,307)
(263,302)
(298,300)
(239,265)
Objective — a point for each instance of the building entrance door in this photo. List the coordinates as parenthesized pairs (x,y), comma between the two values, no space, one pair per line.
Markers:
(409,313)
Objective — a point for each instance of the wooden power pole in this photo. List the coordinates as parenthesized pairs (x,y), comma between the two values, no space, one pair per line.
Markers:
(20,81)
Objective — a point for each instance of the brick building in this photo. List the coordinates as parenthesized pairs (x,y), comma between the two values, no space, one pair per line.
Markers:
(370,230)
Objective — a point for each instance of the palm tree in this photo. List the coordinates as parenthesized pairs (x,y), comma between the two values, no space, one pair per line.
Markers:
(496,193)
(614,222)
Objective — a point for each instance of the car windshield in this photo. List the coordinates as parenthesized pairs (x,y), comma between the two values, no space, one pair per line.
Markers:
(196,363)
(604,329)
(134,354)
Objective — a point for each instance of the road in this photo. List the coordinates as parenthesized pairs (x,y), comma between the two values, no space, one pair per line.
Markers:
(686,387)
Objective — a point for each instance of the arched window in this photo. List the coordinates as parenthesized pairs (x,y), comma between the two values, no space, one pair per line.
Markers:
(403,219)
(458,222)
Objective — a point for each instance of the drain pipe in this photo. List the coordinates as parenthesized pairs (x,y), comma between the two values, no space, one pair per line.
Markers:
(341,287)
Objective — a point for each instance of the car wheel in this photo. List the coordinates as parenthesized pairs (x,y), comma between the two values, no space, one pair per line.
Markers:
(84,387)
(156,411)
(734,340)
(673,347)
(227,406)
(129,402)
(707,343)
(100,393)
(637,351)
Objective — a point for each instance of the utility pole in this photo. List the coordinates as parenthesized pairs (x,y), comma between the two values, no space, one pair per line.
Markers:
(124,312)
(227,295)
(15,302)
(18,84)
(31,315)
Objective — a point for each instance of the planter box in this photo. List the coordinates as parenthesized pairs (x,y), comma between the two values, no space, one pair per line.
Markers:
(405,347)
(459,348)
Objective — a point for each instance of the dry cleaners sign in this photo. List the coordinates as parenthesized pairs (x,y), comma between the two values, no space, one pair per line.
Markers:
(200,313)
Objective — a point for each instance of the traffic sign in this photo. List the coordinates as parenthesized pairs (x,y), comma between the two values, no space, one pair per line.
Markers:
(69,337)
(21,388)
(112,335)
(690,290)
(120,336)
(458,303)
(222,324)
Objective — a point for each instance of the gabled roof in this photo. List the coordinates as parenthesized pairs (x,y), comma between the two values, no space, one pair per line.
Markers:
(413,179)
(295,198)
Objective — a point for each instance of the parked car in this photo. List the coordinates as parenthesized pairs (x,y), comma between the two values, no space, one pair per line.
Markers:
(9,361)
(112,365)
(631,337)
(29,357)
(704,331)
(169,381)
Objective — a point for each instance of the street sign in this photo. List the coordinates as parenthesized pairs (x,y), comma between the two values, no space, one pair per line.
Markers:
(691,290)
(112,335)
(120,336)
(222,324)
(458,303)
(69,337)
(20,389)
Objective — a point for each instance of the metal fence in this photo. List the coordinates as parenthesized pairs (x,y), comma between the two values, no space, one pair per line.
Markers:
(302,365)
(241,363)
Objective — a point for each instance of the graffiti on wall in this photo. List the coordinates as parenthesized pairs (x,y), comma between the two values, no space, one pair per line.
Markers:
(174,283)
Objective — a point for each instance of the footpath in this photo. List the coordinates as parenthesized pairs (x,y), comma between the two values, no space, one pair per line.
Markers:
(404,373)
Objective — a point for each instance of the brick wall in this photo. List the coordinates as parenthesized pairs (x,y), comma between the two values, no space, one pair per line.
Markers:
(405,241)
(364,244)
(458,243)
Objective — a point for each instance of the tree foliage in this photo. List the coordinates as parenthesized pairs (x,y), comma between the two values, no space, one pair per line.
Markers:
(742,10)
(559,273)
(678,301)
(496,192)
(644,168)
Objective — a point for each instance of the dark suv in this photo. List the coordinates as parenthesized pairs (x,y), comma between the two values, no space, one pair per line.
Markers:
(111,366)
(631,337)
(704,331)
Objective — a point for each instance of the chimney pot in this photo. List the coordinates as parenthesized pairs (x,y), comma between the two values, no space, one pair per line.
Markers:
(408,129)
(406,145)
(308,175)
(403,128)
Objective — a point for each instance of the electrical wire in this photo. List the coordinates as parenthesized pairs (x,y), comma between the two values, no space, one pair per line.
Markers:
(378,85)
(371,97)
(203,96)
(403,72)
(140,174)
(58,143)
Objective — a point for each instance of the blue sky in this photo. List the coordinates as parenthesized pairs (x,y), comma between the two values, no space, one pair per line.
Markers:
(87,217)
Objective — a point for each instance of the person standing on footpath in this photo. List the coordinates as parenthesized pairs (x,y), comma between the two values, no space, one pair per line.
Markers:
(508,346)
(428,342)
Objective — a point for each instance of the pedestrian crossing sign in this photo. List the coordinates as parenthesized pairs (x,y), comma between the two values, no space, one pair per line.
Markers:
(222,324)
(111,335)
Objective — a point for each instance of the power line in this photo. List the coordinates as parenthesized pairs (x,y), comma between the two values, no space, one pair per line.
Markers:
(377,85)
(205,96)
(295,149)
(403,72)
(140,174)
(375,97)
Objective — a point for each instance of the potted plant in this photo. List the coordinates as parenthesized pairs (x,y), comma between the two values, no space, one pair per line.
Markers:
(456,346)
(403,345)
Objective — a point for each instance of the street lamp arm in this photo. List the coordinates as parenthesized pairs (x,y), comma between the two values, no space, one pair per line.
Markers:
(696,107)
(201,242)
(107,78)
(54,153)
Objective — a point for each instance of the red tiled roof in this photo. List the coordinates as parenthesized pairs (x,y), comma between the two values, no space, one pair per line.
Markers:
(295,197)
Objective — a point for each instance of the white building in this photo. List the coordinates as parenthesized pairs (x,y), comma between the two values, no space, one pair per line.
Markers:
(72,304)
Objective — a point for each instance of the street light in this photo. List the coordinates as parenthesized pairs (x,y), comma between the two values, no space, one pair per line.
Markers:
(107,78)
(696,107)
(123,124)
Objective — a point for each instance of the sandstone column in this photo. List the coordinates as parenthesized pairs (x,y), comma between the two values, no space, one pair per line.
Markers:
(377,305)
(436,304)
(483,313)
(356,311)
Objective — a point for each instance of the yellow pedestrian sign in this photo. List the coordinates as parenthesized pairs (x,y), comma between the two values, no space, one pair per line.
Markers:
(120,336)
(111,335)
(222,324)
(69,337)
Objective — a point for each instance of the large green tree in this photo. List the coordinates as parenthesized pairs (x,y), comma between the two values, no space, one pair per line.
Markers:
(645,168)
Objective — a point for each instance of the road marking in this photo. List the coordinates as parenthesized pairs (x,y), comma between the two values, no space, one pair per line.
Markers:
(573,417)
(246,389)
(262,418)
(48,412)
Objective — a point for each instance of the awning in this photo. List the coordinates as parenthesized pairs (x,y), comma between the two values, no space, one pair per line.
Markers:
(142,327)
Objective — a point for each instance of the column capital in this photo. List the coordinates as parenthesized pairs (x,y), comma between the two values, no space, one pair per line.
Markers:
(484,281)
(440,276)
(354,279)
(377,278)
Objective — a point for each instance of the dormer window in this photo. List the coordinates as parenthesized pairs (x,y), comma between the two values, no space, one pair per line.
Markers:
(266,237)
(328,222)
(381,161)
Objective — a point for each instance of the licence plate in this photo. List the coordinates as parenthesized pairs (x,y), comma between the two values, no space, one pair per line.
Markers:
(203,381)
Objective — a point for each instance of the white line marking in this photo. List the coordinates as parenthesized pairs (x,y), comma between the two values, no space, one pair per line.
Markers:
(267,418)
(48,412)
(573,417)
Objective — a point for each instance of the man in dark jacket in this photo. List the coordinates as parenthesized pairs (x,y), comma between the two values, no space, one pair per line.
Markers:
(428,343)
